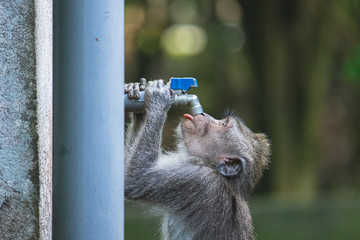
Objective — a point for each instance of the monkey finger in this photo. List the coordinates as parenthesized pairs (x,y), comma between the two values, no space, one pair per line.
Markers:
(150,84)
(136,91)
(125,88)
(142,84)
(159,83)
(137,95)
(131,91)
(131,94)
(172,93)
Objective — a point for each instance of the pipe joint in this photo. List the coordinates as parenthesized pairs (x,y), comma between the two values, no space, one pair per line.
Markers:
(191,100)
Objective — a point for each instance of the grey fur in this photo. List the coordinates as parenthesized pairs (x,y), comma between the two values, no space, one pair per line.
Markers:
(198,202)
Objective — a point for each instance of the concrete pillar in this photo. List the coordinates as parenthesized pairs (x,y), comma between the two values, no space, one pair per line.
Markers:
(44,80)
(25,119)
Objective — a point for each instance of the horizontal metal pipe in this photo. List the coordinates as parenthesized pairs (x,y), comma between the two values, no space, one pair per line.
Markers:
(132,105)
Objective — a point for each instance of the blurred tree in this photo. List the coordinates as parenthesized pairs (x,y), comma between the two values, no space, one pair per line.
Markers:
(289,68)
(293,46)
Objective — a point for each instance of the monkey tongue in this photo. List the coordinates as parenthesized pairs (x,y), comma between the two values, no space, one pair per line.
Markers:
(188,116)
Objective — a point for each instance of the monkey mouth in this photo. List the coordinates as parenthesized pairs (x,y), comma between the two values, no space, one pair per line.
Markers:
(188,116)
(196,125)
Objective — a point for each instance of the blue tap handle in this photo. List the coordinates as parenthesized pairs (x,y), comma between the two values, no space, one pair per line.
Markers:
(183,83)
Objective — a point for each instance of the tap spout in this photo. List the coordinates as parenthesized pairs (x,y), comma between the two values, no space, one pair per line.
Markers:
(190,100)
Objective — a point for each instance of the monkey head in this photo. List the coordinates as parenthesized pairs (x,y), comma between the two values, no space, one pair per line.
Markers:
(227,146)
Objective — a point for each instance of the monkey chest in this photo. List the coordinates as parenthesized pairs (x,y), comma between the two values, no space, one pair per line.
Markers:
(174,228)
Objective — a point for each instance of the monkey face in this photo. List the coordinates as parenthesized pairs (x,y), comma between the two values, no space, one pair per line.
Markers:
(227,145)
(213,139)
(205,136)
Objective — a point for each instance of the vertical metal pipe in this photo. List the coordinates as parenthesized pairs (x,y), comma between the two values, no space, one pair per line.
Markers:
(88,119)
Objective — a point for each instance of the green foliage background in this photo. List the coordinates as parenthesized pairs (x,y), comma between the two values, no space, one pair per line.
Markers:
(290,69)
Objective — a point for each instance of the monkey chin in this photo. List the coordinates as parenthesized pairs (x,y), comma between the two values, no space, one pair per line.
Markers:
(194,126)
(187,125)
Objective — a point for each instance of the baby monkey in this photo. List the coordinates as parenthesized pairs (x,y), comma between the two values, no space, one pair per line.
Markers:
(203,187)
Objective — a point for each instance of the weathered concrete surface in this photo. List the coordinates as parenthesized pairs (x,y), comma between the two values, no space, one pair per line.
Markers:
(19,158)
(43,49)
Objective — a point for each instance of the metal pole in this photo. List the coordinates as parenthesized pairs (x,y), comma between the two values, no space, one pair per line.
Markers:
(88,199)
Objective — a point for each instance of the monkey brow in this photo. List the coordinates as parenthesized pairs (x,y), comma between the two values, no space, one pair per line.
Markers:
(230,113)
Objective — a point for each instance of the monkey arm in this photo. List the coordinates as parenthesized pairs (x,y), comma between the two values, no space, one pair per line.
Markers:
(192,192)
(144,139)
(133,130)
(144,136)
(137,119)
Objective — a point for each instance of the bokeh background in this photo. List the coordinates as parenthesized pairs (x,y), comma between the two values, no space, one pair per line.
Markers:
(290,69)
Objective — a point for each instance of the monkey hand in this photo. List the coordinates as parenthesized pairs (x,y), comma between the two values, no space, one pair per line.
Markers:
(158,96)
(133,89)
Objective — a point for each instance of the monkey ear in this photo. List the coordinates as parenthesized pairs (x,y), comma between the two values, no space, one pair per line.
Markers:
(230,167)
(262,149)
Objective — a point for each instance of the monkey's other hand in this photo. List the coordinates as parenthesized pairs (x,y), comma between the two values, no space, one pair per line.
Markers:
(158,96)
(133,89)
